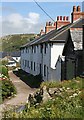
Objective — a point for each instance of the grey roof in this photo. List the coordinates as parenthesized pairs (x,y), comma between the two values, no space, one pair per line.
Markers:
(57,35)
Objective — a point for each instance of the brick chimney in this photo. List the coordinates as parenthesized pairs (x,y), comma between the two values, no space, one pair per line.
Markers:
(42,32)
(76,14)
(62,21)
(50,26)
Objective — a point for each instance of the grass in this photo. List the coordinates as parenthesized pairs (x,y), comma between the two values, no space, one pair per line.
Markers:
(68,103)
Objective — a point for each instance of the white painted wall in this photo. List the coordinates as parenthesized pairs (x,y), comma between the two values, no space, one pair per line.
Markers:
(56,50)
(49,59)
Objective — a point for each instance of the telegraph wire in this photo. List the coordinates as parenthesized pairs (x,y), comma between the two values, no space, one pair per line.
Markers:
(44,11)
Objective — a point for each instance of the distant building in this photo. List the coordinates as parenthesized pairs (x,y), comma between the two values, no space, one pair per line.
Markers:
(59,53)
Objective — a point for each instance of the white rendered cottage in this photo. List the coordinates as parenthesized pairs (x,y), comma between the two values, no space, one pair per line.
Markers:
(46,54)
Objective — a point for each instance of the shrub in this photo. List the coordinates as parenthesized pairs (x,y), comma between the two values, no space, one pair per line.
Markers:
(8,89)
(4,70)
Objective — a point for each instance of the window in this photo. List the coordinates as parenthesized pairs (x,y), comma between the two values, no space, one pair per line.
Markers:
(34,66)
(44,70)
(45,48)
(40,68)
(41,48)
(34,49)
(31,65)
(23,50)
(26,49)
(27,63)
(23,62)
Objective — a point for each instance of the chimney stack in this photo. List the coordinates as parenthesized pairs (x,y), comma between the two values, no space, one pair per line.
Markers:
(76,14)
(62,21)
(74,8)
(78,9)
(50,26)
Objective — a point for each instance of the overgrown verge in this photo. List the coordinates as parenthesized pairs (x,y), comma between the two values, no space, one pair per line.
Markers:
(64,100)
(7,88)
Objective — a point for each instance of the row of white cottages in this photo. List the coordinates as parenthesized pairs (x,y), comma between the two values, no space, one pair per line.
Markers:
(46,54)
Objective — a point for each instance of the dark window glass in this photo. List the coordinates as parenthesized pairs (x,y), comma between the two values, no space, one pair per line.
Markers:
(31,65)
(34,66)
(44,70)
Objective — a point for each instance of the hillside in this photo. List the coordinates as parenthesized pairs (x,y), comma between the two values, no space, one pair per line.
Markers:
(13,42)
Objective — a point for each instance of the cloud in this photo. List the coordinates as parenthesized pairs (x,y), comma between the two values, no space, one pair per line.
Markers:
(16,23)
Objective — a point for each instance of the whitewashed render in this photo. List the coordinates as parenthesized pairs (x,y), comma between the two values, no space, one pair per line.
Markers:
(32,58)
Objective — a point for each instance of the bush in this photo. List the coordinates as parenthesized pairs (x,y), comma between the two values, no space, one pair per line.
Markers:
(4,70)
(8,89)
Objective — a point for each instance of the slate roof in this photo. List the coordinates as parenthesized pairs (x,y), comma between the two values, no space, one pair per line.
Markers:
(57,35)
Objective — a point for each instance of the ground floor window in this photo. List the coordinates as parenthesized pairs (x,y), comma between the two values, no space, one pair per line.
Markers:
(40,68)
(34,66)
(44,70)
(31,65)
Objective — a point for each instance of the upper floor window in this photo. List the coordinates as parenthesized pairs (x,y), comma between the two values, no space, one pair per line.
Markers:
(45,48)
(41,48)
(26,49)
(34,49)
(27,63)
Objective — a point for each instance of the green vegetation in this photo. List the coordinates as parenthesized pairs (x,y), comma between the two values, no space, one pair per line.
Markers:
(66,102)
(7,89)
(14,42)
(4,70)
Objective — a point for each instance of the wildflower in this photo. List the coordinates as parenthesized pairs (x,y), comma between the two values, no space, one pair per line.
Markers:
(68,88)
(75,94)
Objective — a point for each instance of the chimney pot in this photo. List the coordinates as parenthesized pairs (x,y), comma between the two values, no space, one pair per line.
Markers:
(64,18)
(60,17)
(78,9)
(74,8)
(49,23)
(67,18)
(57,18)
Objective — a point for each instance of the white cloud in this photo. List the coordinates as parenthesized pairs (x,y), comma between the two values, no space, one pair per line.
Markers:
(16,23)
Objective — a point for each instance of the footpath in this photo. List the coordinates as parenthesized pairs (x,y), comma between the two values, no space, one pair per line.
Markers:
(23,90)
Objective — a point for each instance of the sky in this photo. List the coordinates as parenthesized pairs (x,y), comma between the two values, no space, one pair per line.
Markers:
(27,17)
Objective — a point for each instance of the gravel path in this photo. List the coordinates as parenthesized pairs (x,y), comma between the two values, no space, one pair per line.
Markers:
(23,90)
